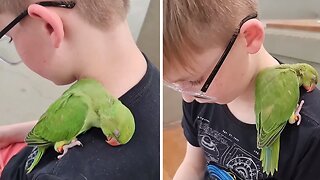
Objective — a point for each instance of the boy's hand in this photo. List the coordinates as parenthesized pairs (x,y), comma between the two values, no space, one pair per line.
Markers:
(6,136)
(14,133)
(4,142)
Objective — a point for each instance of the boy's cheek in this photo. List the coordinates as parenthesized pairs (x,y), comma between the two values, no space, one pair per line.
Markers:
(5,19)
(223,91)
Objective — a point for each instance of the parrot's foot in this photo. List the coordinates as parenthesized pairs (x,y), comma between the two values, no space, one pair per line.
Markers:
(65,148)
(296,116)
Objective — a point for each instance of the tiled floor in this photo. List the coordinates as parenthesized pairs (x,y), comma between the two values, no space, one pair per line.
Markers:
(174,145)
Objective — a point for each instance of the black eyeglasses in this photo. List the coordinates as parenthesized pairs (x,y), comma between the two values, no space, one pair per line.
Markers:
(225,53)
(6,52)
(202,93)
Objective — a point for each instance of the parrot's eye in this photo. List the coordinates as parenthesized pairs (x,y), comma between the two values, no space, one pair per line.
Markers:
(314,79)
(116,133)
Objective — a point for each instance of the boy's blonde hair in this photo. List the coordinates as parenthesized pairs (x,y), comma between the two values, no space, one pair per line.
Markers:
(100,13)
(192,26)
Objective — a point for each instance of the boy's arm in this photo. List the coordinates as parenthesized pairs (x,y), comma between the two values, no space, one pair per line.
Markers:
(14,133)
(193,165)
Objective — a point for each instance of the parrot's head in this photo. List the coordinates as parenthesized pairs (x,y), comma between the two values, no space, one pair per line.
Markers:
(309,77)
(124,125)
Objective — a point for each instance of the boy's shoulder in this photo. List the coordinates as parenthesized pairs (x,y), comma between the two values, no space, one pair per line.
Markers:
(95,160)
(310,109)
(300,144)
(308,132)
(105,161)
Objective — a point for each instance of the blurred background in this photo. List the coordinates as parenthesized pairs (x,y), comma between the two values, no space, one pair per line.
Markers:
(292,35)
(24,95)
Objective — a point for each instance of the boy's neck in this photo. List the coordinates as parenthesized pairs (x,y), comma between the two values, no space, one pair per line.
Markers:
(243,106)
(112,58)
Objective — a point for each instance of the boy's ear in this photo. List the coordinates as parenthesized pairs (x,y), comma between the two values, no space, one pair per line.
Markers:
(253,32)
(53,22)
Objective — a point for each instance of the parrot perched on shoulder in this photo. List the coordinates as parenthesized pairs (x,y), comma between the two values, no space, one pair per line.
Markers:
(276,102)
(84,105)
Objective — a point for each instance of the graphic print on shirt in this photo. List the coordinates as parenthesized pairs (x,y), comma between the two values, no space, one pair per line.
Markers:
(223,149)
(31,157)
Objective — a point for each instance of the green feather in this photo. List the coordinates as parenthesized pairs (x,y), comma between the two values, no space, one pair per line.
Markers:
(84,105)
(276,98)
(36,160)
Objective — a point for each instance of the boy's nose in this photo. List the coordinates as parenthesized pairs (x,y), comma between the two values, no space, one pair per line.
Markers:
(187,98)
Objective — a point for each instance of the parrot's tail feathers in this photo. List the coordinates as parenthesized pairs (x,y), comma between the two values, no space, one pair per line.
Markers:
(33,140)
(270,157)
(36,159)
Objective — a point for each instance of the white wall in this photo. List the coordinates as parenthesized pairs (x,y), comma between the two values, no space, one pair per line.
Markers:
(289,9)
(137,15)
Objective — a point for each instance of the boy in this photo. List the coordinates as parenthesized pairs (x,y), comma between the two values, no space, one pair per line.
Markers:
(213,51)
(70,40)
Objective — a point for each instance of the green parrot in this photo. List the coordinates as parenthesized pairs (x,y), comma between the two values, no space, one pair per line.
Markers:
(84,105)
(276,102)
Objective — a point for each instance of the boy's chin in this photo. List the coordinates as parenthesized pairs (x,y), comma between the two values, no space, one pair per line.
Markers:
(205,100)
(215,101)
(63,82)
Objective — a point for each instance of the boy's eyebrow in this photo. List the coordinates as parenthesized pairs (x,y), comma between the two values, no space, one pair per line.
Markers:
(179,79)
(174,80)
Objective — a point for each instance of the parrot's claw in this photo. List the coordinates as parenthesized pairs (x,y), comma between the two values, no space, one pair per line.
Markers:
(297,113)
(65,148)
(298,119)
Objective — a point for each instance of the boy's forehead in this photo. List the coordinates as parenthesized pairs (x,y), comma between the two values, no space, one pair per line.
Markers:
(175,75)
(181,72)
(175,71)
(194,67)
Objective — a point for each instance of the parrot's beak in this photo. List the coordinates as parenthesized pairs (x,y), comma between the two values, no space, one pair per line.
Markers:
(310,88)
(113,141)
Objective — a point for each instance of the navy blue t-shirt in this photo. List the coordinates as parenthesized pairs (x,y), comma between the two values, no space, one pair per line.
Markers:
(230,146)
(96,160)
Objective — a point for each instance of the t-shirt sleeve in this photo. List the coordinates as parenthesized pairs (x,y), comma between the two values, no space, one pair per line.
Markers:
(189,123)
(308,167)
(300,145)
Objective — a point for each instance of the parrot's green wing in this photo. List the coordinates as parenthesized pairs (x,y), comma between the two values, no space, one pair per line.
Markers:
(277,95)
(63,120)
